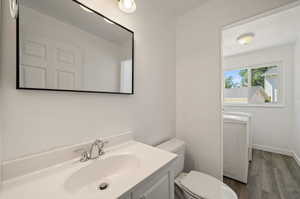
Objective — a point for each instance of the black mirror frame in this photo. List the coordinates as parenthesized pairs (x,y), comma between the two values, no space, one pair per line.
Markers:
(63,90)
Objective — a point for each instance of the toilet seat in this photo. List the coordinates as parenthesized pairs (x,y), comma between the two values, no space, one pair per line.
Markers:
(198,185)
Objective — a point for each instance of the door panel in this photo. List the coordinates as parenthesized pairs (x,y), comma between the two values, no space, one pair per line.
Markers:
(46,63)
(35,49)
(68,66)
(34,67)
(66,80)
(34,76)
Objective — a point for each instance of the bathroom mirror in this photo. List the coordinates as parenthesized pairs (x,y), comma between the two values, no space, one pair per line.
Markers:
(65,46)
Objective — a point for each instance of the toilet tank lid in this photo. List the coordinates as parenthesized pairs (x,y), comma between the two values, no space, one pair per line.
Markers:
(174,145)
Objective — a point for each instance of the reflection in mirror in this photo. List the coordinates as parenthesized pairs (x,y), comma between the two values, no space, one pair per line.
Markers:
(77,50)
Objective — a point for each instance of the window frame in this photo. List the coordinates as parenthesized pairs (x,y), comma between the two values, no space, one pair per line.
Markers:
(281,71)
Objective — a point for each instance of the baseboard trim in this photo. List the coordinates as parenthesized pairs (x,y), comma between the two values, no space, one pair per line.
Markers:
(273,150)
(297,158)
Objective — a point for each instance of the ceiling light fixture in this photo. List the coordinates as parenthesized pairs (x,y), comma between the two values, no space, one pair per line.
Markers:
(14,8)
(85,9)
(127,6)
(246,39)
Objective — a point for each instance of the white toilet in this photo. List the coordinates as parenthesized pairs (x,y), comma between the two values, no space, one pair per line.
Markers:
(195,185)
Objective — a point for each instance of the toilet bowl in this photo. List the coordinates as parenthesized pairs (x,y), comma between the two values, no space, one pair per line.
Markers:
(194,185)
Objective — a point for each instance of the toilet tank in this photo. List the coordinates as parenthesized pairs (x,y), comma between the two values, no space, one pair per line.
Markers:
(178,147)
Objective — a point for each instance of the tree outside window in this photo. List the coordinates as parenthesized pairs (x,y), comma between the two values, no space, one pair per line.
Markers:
(263,87)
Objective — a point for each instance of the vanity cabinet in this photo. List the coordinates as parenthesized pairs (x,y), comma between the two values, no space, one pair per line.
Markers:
(131,170)
(161,189)
(158,186)
(127,196)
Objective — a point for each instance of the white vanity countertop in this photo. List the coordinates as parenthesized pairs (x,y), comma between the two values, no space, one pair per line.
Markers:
(51,183)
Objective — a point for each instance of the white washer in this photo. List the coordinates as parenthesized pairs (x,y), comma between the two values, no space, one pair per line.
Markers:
(251,128)
(236,147)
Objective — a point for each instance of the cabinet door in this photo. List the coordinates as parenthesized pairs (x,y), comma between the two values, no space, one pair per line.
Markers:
(160,190)
(126,196)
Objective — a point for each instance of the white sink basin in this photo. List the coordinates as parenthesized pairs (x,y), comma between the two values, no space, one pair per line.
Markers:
(105,170)
(123,167)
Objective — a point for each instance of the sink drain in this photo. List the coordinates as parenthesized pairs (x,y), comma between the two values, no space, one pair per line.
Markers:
(103,186)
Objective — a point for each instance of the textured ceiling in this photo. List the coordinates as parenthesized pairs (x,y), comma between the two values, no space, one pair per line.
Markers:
(177,7)
(274,30)
(180,7)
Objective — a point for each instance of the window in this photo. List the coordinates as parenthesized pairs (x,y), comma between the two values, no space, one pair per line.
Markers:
(252,85)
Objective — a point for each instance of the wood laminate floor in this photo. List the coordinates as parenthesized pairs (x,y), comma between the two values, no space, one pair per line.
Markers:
(271,176)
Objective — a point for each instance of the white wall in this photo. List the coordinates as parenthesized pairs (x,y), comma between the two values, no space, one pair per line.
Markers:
(272,125)
(198,77)
(1,130)
(36,121)
(296,135)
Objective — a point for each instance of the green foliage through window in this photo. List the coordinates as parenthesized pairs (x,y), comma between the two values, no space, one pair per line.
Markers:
(258,78)
(262,87)
(236,78)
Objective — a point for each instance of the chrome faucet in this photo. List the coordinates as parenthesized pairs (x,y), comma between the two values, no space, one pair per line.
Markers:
(99,144)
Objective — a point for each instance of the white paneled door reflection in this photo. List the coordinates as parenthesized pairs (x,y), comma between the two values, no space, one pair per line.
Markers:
(50,64)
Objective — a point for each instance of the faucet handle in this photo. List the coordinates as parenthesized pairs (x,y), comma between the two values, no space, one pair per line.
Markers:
(102,143)
(84,155)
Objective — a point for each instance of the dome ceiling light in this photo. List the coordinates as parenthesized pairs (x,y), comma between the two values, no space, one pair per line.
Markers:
(127,6)
(246,39)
